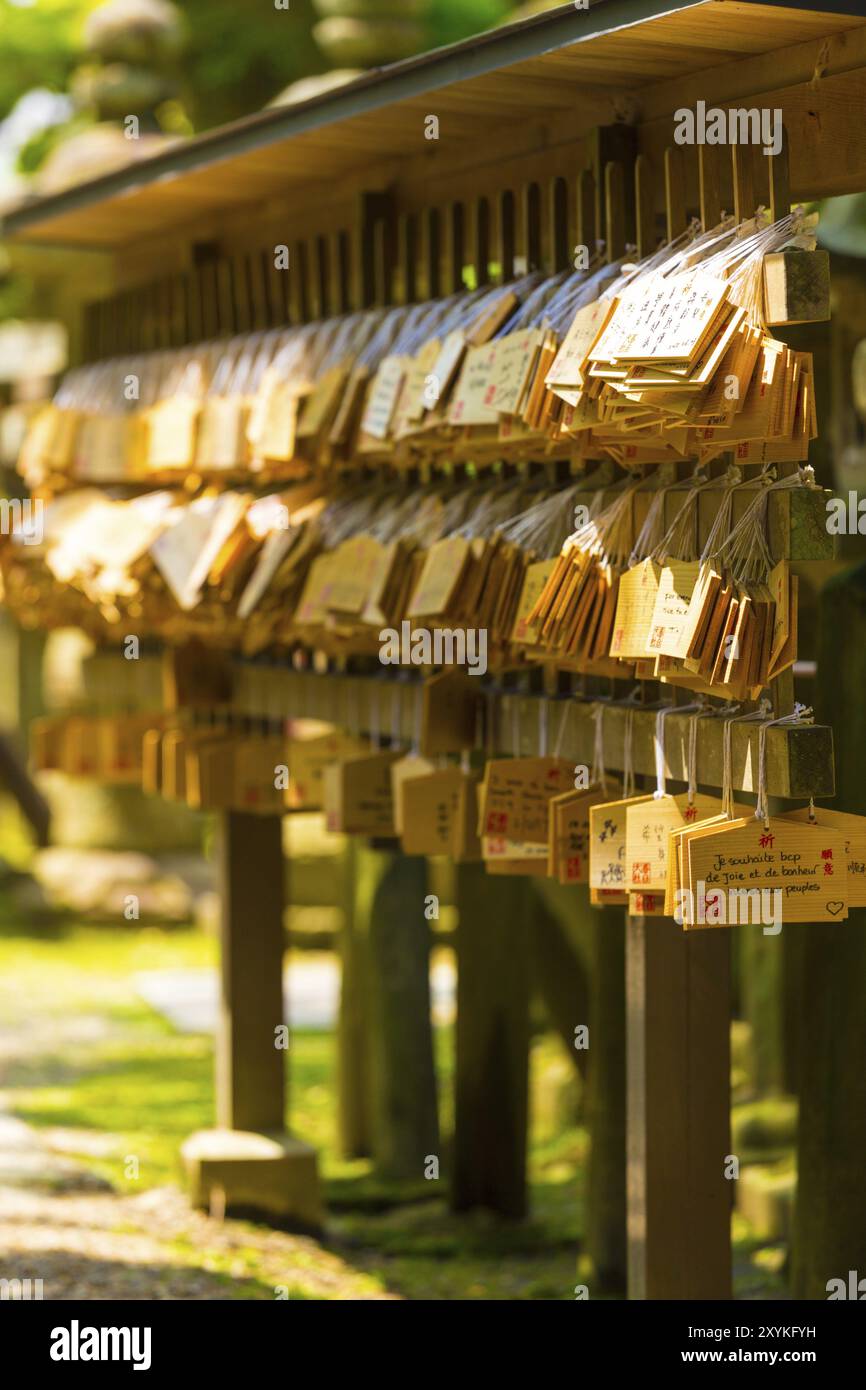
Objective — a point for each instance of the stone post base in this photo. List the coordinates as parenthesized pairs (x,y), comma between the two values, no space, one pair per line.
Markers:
(241,1171)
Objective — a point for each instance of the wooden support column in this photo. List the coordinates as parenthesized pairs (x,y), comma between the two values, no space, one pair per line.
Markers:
(249,1162)
(830,1222)
(250,1081)
(492,1066)
(391,889)
(579,964)
(606,1219)
(678,1111)
(353,1092)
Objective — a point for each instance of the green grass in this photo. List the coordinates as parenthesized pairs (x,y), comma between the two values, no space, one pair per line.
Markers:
(98,1062)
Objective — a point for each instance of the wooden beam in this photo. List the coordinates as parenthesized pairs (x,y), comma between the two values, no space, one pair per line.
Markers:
(492,1063)
(249,1078)
(678,1111)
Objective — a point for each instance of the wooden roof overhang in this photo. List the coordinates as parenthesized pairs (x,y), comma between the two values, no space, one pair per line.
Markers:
(519,103)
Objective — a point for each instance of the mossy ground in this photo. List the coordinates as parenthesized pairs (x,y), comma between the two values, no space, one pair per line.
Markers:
(93,1068)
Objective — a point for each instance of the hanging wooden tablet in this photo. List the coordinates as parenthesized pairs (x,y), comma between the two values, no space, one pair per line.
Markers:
(516,794)
(607,843)
(853,829)
(358,799)
(806,864)
(648,829)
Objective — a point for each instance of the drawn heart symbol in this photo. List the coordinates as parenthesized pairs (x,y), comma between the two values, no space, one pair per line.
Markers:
(835,908)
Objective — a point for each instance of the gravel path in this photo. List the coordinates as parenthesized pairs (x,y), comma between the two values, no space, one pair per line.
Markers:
(85,1245)
(62,1223)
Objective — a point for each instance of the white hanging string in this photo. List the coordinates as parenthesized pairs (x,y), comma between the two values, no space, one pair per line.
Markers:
(659,749)
(727,761)
(542,728)
(802,714)
(703,712)
(659,744)
(627,752)
(599,774)
(560,734)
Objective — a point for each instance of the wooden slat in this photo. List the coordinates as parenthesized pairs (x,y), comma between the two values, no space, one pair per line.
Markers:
(479,238)
(709,182)
(530,225)
(341,270)
(320,290)
(743,169)
(560,230)
(587,227)
(614,201)
(455,246)
(407,257)
(675,191)
(505,244)
(780,181)
(299,299)
(644,199)
(431,258)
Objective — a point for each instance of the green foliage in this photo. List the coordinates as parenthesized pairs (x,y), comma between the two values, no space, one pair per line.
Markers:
(238,58)
(38,46)
(451,20)
(36,150)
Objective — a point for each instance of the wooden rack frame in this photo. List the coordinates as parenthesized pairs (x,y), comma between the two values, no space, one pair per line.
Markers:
(555,133)
(397,250)
(799,760)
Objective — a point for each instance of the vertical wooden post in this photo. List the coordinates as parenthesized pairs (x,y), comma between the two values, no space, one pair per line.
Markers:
(455,247)
(675,191)
(587,227)
(353,1089)
(530,226)
(780,181)
(743,168)
(504,245)
(613,144)
(390,907)
(492,1066)
(431,254)
(479,239)
(830,1231)
(678,1116)
(709,178)
(606,1204)
(250,1163)
(614,201)
(645,211)
(561,226)
(250,1082)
